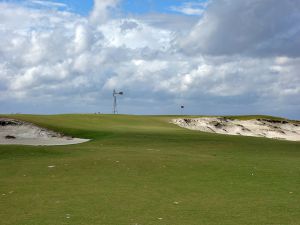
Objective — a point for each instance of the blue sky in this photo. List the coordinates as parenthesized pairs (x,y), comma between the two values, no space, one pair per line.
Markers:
(162,6)
(79,6)
(83,7)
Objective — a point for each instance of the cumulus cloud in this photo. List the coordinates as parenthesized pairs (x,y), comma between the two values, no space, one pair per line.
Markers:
(134,34)
(100,12)
(61,61)
(260,28)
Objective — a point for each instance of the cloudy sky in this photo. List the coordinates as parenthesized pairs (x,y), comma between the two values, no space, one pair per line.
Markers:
(215,57)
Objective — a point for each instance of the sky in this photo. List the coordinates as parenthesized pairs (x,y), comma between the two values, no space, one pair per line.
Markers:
(215,57)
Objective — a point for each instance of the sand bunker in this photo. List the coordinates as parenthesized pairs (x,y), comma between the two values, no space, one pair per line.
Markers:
(284,130)
(15,132)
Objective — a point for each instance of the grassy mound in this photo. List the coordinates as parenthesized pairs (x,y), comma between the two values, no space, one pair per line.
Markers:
(144,170)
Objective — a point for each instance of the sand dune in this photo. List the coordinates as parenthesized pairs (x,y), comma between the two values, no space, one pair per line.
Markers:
(285,130)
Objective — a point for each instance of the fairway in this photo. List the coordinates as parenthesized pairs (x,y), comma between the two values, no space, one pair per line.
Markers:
(143,170)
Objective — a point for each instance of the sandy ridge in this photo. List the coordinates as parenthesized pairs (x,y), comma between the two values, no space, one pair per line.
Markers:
(284,130)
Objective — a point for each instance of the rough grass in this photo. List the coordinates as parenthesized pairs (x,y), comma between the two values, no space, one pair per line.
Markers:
(138,169)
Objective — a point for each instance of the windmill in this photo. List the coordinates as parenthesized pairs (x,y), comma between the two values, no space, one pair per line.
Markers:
(115,94)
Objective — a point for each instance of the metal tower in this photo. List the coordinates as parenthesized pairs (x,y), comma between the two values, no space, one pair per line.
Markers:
(115,108)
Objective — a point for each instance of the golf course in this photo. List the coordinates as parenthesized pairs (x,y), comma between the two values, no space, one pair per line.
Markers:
(144,170)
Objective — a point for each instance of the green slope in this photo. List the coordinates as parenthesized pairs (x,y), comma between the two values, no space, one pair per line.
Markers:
(144,170)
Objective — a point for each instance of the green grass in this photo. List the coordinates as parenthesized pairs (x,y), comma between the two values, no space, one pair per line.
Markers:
(136,167)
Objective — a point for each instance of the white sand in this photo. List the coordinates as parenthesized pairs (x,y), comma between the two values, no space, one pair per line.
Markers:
(284,130)
(15,132)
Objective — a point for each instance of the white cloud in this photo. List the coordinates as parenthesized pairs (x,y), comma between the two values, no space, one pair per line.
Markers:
(50,4)
(100,12)
(141,36)
(82,39)
(191,8)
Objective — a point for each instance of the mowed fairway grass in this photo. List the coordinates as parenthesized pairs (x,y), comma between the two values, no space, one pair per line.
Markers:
(142,170)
